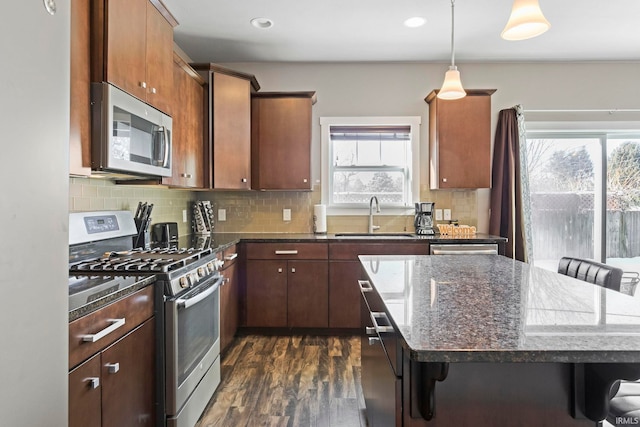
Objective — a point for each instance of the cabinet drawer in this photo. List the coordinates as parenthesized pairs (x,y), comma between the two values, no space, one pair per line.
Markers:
(287,251)
(350,251)
(134,309)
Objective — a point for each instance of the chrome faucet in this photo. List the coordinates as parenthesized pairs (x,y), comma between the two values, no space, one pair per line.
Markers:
(371,226)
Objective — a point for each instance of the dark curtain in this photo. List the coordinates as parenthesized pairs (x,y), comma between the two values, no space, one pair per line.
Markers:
(506,219)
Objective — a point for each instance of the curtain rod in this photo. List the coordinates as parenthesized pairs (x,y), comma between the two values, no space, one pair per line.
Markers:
(610,110)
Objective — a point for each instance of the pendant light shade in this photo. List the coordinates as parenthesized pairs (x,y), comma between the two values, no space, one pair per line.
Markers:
(452,86)
(526,21)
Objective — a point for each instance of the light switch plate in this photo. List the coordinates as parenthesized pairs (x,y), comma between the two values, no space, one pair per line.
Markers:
(447,214)
(184,215)
(222,214)
(286,214)
(438,214)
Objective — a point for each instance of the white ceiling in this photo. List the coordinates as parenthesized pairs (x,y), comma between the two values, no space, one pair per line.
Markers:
(373,30)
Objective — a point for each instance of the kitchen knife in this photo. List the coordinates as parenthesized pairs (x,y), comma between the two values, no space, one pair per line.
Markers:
(138,211)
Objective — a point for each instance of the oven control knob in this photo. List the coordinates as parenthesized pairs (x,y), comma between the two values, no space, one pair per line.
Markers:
(202,272)
(210,266)
(184,282)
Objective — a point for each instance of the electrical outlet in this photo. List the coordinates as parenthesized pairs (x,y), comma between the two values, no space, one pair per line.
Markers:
(184,215)
(447,214)
(222,215)
(438,214)
(286,214)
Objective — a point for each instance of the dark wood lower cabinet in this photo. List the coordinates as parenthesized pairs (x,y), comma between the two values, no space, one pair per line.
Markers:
(344,295)
(116,387)
(229,306)
(266,293)
(128,370)
(85,394)
(307,294)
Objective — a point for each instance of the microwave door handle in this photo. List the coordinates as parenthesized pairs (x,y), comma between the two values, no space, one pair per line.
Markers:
(167,146)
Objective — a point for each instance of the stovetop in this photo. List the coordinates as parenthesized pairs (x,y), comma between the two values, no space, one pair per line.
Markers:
(137,261)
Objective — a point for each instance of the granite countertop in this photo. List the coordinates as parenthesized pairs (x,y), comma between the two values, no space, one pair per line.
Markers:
(489,308)
(131,284)
(221,241)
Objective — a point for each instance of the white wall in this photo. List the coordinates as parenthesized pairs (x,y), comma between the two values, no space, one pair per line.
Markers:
(363,89)
(34,118)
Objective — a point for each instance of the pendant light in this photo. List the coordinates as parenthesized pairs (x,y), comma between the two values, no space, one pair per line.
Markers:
(452,86)
(526,21)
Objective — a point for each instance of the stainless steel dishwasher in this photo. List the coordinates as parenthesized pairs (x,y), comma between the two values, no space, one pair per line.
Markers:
(464,249)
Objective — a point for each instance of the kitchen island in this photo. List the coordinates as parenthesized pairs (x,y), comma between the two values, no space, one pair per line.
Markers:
(482,340)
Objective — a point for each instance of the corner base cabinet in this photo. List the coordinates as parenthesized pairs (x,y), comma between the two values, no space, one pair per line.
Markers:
(112,380)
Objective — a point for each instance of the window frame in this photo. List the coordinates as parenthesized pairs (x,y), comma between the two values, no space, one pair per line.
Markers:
(413,173)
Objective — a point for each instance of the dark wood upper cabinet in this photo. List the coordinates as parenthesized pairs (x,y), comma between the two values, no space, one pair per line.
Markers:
(281,140)
(132,48)
(80,125)
(460,140)
(188,127)
(228,127)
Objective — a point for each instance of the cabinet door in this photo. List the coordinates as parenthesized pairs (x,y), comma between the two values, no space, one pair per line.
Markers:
(84,394)
(231,117)
(128,389)
(460,140)
(266,293)
(126,45)
(188,131)
(229,306)
(159,57)
(344,295)
(308,290)
(281,143)
(80,126)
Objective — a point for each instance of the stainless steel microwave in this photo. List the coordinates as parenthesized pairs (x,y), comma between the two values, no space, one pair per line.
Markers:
(129,137)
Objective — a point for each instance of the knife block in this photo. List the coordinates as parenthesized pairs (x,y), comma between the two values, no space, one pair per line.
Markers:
(143,238)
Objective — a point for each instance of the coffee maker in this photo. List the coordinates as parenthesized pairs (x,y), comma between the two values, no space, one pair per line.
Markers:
(423,220)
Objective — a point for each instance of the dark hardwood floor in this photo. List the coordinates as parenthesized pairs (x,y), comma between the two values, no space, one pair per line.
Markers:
(293,381)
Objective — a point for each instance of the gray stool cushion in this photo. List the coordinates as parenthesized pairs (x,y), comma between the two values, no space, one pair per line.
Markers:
(592,272)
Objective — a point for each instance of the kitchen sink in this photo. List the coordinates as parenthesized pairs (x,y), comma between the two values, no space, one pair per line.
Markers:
(375,235)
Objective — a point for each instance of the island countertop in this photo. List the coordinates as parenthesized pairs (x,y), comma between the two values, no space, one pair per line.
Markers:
(489,308)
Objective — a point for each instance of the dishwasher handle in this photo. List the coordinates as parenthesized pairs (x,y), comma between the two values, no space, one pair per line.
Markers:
(468,249)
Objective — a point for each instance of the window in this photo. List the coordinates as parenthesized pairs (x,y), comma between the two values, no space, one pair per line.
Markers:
(584,189)
(370,156)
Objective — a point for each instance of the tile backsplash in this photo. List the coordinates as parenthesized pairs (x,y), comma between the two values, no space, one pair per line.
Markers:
(253,211)
(92,194)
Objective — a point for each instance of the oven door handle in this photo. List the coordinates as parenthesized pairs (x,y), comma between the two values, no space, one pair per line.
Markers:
(189,302)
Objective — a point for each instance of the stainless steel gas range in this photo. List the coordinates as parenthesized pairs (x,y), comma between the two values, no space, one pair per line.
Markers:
(102,260)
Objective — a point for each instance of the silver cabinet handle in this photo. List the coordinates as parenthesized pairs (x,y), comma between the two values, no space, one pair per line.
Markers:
(243,180)
(153,90)
(279,270)
(231,257)
(94,382)
(373,340)
(143,85)
(380,315)
(115,324)
(287,252)
(293,270)
(113,367)
(365,286)
(304,180)
(369,330)
(186,175)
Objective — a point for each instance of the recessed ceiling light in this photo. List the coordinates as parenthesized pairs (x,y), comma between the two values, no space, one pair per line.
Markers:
(262,23)
(416,21)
